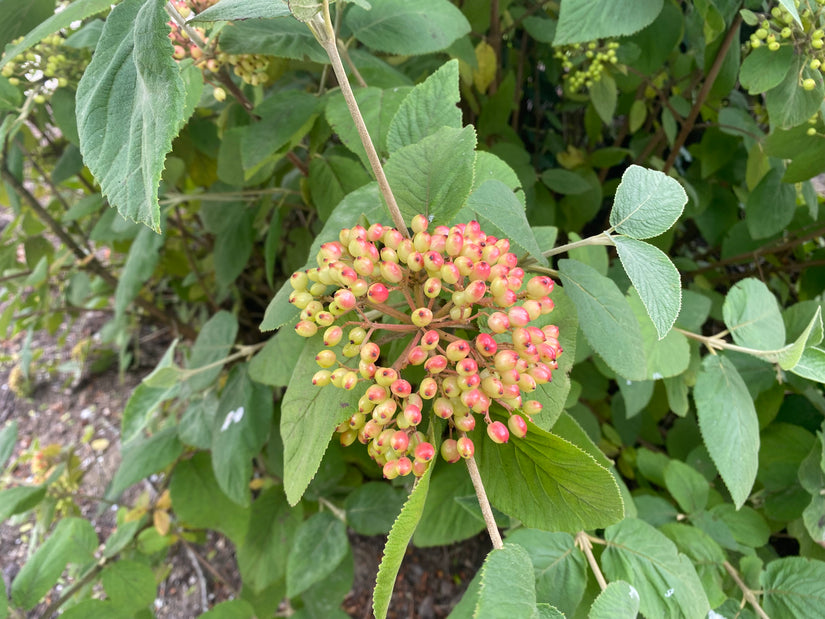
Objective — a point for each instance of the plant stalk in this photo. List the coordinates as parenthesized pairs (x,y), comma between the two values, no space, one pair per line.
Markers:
(746,591)
(484,503)
(583,542)
(598,239)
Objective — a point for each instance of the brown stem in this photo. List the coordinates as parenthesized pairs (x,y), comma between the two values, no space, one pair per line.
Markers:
(88,577)
(746,591)
(494,39)
(484,503)
(187,243)
(690,121)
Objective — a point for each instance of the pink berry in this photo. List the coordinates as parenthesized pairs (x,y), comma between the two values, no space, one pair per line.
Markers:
(412,414)
(498,432)
(449,450)
(401,388)
(486,345)
(378,293)
(424,452)
(436,364)
(465,447)
(517,426)
(518,316)
(417,355)
(405,466)
(429,340)
(400,441)
(498,322)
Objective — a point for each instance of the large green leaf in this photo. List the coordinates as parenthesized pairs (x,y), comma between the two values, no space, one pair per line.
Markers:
(130,104)
(654,277)
(434,176)
(812,478)
(8,437)
(729,425)
(605,318)
(231,609)
(407,28)
(811,365)
(214,341)
(792,587)
(500,212)
(309,415)
(647,203)
(791,355)
(397,542)
(770,206)
(319,545)
(431,105)
(373,507)
(284,38)
(444,520)
(274,364)
(665,357)
(73,541)
(763,69)
(145,399)
(560,487)
(234,10)
(129,585)
(586,20)
(665,579)
(620,600)
(21,15)
(141,457)
(241,428)
(79,9)
(143,256)
(560,569)
(332,177)
(20,499)
(789,104)
(752,316)
(508,586)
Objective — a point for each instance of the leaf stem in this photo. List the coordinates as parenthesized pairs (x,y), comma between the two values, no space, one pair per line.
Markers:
(327,40)
(715,342)
(484,503)
(598,239)
(88,577)
(746,591)
(583,542)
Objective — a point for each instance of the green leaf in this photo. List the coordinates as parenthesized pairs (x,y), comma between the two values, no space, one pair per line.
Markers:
(428,107)
(654,277)
(764,69)
(812,478)
(284,38)
(129,585)
(811,365)
(563,488)
(199,502)
(309,415)
(792,354)
(234,10)
(19,16)
(372,508)
(144,254)
(20,499)
(318,547)
(378,108)
(407,28)
(790,6)
(564,181)
(214,341)
(587,20)
(560,569)
(500,212)
(729,425)
(667,357)
(647,203)
(792,587)
(665,579)
(8,437)
(444,520)
(142,456)
(434,176)
(603,95)
(605,318)
(73,541)
(397,542)
(233,244)
(272,526)
(706,554)
(274,364)
(332,177)
(145,399)
(242,426)
(687,486)
(619,600)
(10,96)
(232,609)
(508,587)
(771,205)
(789,104)
(130,104)
(752,316)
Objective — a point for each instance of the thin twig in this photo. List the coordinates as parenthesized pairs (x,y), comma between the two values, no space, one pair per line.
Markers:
(746,591)
(88,577)
(583,542)
(201,579)
(484,503)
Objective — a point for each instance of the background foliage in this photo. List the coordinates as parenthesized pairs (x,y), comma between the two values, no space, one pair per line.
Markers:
(657,157)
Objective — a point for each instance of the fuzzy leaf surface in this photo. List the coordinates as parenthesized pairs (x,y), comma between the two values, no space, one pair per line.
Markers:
(319,546)
(619,601)
(752,316)
(792,587)
(647,203)
(586,20)
(508,585)
(236,10)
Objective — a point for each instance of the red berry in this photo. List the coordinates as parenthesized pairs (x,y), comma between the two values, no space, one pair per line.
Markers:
(424,451)
(486,345)
(378,293)
(498,432)
(400,441)
(401,388)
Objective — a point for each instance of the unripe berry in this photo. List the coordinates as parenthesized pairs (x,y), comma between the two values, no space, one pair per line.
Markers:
(300,298)
(468,382)
(505,360)
(443,408)
(486,345)
(357,335)
(465,423)
(390,469)
(808,84)
(421,317)
(432,287)
(385,376)
(333,335)
(419,467)
(449,450)
(412,414)
(492,387)
(498,432)
(475,291)
(391,272)
(417,355)
(376,394)
(465,447)
(419,223)
(429,340)
(404,466)
(400,441)
(532,407)
(325,358)
(348,437)
(424,452)
(415,261)
(321,378)
(421,242)
(384,412)
(518,316)
(392,238)
(372,429)
(435,364)
(370,352)
(533,308)
(299,280)
(464,265)
(517,426)
(466,367)
(366,369)
(457,350)
(401,388)
(453,244)
(337,377)
(498,322)
(428,388)
(450,273)
(351,350)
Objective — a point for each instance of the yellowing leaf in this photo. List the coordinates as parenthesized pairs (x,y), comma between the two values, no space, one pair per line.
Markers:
(487,63)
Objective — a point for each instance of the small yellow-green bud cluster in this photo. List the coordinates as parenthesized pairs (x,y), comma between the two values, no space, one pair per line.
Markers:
(433,291)
(45,67)
(584,63)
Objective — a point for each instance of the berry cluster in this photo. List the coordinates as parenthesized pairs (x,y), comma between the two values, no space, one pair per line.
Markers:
(376,285)
(584,63)
(251,68)
(780,28)
(47,66)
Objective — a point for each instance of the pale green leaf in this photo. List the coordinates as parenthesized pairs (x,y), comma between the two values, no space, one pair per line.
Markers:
(563,489)
(490,167)
(619,601)
(275,362)
(501,213)
(444,521)
(791,355)
(143,256)
(214,341)
(811,365)
(129,584)
(284,38)
(647,203)
(397,542)
(687,486)
(319,545)
(752,316)
(428,107)
(789,104)
(771,205)
(73,541)
(145,400)
(564,181)
(587,20)
(331,178)
(763,69)
(790,6)
(603,95)
(407,28)
(8,437)
(79,9)
(130,104)
(729,425)
(235,10)
(654,277)
(667,357)
(605,318)
(666,580)
(231,609)
(142,456)
(508,587)
(792,587)
(434,176)
(20,499)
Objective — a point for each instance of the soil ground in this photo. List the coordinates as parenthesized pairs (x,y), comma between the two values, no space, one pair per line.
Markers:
(64,408)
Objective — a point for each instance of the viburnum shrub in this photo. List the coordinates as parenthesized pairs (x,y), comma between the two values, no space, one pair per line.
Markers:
(438,290)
